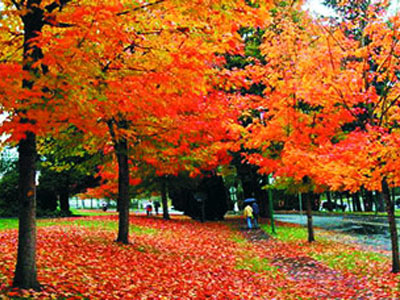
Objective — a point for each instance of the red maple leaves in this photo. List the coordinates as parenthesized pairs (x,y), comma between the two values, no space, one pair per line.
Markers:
(182,259)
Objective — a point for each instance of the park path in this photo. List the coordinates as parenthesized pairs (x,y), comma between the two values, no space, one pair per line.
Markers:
(311,278)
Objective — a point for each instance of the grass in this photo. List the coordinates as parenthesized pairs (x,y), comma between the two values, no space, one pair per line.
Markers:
(239,239)
(331,257)
(255,264)
(249,261)
(8,223)
(86,212)
(288,233)
(347,260)
(12,223)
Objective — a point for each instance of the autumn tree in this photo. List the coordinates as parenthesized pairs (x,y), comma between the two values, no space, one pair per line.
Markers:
(32,109)
(66,167)
(336,120)
(140,69)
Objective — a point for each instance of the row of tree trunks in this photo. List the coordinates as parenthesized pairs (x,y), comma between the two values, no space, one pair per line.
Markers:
(369,200)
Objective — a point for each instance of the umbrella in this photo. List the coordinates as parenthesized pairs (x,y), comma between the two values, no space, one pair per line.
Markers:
(250,200)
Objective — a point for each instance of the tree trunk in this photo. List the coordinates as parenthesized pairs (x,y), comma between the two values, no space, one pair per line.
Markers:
(368,200)
(392,227)
(349,203)
(356,201)
(309,219)
(164,198)
(334,196)
(328,197)
(393,198)
(25,271)
(64,201)
(380,202)
(121,149)
(341,200)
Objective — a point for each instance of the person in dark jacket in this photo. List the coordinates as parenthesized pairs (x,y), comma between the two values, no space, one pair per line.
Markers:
(256,213)
(156,206)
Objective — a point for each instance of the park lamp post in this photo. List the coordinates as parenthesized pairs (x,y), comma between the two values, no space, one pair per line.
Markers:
(270,204)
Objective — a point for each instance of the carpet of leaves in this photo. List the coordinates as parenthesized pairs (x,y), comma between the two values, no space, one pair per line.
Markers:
(183,259)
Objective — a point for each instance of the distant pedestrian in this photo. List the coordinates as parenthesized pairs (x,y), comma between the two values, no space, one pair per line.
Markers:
(156,206)
(149,208)
(248,214)
(256,213)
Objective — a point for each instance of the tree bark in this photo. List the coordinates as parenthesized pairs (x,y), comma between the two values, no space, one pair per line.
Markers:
(356,201)
(64,199)
(393,198)
(368,200)
(309,219)
(25,271)
(164,198)
(121,149)
(328,197)
(392,227)
(380,202)
(341,200)
(64,202)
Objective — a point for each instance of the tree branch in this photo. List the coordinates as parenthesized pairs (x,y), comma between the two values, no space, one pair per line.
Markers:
(56,4)
(140,7)
(16,4)
(58,25)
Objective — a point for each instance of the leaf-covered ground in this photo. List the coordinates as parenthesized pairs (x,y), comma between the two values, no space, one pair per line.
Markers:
(182,259)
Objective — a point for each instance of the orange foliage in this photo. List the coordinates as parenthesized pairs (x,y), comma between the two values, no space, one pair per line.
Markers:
(331,100)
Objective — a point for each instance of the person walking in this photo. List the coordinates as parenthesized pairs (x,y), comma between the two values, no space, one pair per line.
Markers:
(149,208)
(248,214)
(156,207)
(256,213)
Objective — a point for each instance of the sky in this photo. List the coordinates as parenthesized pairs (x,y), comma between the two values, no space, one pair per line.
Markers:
(316,7)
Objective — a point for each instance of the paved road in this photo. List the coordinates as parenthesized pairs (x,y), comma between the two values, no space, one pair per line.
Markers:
(370,231)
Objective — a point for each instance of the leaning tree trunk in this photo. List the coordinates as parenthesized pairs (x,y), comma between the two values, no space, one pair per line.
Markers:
(25,271)
(121,148)
(164,198)
(309,219)
(392,227)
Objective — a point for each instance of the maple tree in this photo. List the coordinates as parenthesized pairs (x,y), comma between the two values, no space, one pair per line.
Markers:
(144,74)
(113,67)
(32,108)
(330,103)
(66,167)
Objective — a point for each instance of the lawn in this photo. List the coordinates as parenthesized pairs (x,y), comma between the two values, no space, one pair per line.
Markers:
(183,259)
